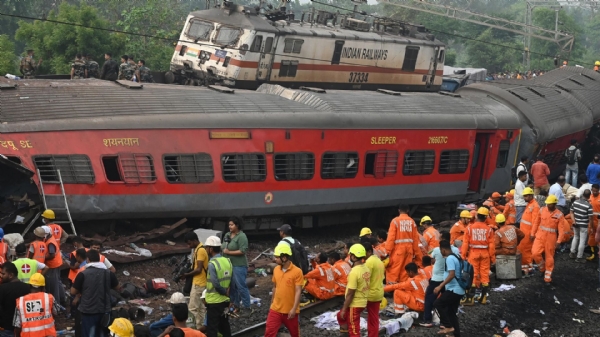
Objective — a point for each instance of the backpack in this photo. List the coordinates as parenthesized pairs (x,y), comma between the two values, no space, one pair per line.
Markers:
(93,68)
(513,171)
(299,256)
(571,157)
(466,274)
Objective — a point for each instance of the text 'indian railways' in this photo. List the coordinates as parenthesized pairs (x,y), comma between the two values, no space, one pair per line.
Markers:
(364,54)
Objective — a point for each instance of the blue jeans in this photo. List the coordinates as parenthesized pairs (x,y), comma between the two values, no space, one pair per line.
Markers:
(571,176)
(239,289)
(7,333)
(91,327)
(158,327)
(520,211)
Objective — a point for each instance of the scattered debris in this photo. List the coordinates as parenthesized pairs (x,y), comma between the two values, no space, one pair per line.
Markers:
(595,311)
(579,320)
(396,325)
(536,331)
(328,321)
(142,251)
(517,333)
(542,312)
(126,273)
(556,300)
(577,301)
(502,324)
(149,235)
(270,255)
(504,287)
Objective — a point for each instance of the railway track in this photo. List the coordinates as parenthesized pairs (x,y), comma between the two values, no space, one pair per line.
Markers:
(259,329)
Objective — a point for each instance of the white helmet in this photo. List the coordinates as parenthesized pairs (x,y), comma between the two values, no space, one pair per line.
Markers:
(213,241)
(177,298)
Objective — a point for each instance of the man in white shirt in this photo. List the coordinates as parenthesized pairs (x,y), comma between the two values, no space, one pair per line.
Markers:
(520,202)
(585,185)
(523,167)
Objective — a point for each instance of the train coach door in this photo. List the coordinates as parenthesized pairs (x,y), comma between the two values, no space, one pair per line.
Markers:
(478,162)
(266,57)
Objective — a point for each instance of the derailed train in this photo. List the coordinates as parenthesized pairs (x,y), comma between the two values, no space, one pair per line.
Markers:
(309,156)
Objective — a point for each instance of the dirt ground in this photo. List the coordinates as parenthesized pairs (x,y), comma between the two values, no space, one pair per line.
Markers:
(520,307)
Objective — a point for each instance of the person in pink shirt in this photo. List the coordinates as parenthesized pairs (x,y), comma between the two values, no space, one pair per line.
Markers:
(540,172)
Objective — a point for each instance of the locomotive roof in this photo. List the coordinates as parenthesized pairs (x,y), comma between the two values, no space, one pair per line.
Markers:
(558,103)
(46,105)
(255,22)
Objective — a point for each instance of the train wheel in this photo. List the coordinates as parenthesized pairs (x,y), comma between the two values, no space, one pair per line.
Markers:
(169,77)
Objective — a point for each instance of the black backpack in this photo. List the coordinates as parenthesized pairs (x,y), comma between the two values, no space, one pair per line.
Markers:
(571,157)
(299,256)
(513,171)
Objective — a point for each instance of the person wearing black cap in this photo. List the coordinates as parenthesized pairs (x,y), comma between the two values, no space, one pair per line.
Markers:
(285,232)
(25,266)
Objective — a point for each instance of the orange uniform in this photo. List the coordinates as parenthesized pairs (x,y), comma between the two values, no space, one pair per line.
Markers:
(457,231)
(3,250)
(423,245)
(409,294)
(510,213)
(495,209)
(507,239)
(530,216)
(595,202)
(320,282)
(39,251)
(341,269)
(403,245)
(549,230)
(56,232)
(432,236)
(56,261)
(73,272)
(380,251)
(426,272)
(478,247)
(35,311)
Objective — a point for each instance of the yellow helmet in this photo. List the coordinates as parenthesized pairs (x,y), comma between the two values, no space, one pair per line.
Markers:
(512,192)
(49,214)
(465,214)
(283,249)
(500,218)
(483,211)
(37,280)
(597,63)
(425,219)
(365,231)
(358,250)
(121,327)
(527,191)
(383,304)
(551,199)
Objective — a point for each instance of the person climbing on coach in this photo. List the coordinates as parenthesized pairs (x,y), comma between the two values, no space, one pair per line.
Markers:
(402,245)
(341,269)
(357,292)
(59,234)
(320,282)
(480,250)
(375,295)
(510,210)
(530,216)
(458,229)
(431,235)
(507,237)
(548,232)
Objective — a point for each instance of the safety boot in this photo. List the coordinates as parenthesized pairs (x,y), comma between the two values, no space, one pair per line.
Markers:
(591,257)
(469,298)
(484,294)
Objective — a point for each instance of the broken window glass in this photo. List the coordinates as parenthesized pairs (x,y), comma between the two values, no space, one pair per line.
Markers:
(200,30)
(191,168)
(227,36)
(339,165)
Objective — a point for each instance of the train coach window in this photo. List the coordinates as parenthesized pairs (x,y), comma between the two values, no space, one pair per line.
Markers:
(503,153)
(257,44)
(189,168)
(454,161)
(339,165)
(200,30)
(294,166)
(418,162)
(74,169)
(410,58)
(239,167)
(288,68)
(381,163)
(227,36)
(130,168)
(293,46)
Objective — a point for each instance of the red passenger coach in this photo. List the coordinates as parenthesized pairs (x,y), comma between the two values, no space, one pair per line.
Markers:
(168,151)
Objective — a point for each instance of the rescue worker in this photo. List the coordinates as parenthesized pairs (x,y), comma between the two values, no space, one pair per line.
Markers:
(379,248)
(220,271)
(365,234)
(596,65)
(121,327)
(510,210)
(492,202)
(431,235)
(97,246)
(53,262)
(125,69)
(410,294)
(357,293)
(58,232)
(37,249)
(507,237)
(545,230)
(34,315)
(402,245)
(110,68)
(78,68)
(478,247)
(93,68)
(595,202)
(26,266)
(529,217)
(143,73)
(341,269)
(427,269)
(320,282)
(375,296)
(74,262)
(3,248)
(28,66)
(458,229)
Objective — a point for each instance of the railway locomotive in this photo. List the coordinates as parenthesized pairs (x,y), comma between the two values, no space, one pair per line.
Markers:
(310,157)
(239,47)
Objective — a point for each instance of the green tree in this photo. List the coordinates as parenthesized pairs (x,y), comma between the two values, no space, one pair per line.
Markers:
(494,53)
(8,59)
(58,43)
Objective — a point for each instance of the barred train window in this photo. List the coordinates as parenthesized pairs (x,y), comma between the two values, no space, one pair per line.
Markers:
(74,169)
(418,162)
(454,161)
(239,167)
(294,166)
(339,165)
(381,163)
(129,168)
(188,168)
(503,153)
(288,68)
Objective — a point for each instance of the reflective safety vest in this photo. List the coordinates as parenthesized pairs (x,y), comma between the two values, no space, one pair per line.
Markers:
(36,315)
(56,231)
(39,251)
(57,261)
(224,270)
(3,250)
(73,272)
(26,267)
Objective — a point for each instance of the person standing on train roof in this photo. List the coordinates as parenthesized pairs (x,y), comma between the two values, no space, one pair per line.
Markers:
(59,234)
(402,244)
(530,216)
(548,232)
(520,202)
(540,172)
(523,167)
(357,293)
(431,235)
(375,295)
(593,171)
(573,156)
(510,212)
(458,229)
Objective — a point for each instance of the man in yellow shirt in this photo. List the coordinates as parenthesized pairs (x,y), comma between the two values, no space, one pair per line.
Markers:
(377,270)
(200,265)
(357,292)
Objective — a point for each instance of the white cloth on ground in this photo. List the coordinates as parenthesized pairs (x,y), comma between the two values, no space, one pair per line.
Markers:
(328,321)
(504,287)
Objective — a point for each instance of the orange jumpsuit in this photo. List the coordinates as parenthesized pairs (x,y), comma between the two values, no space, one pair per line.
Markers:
(495,209)
(380,251)
(478,247)
(341,269)
(457,231)
(545,230)
(595,202)
(507,239)
(423,246)
(409,294)
(510,213)
(426,272)
(402,244)
(432,236)
(321,282)
(530,216)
